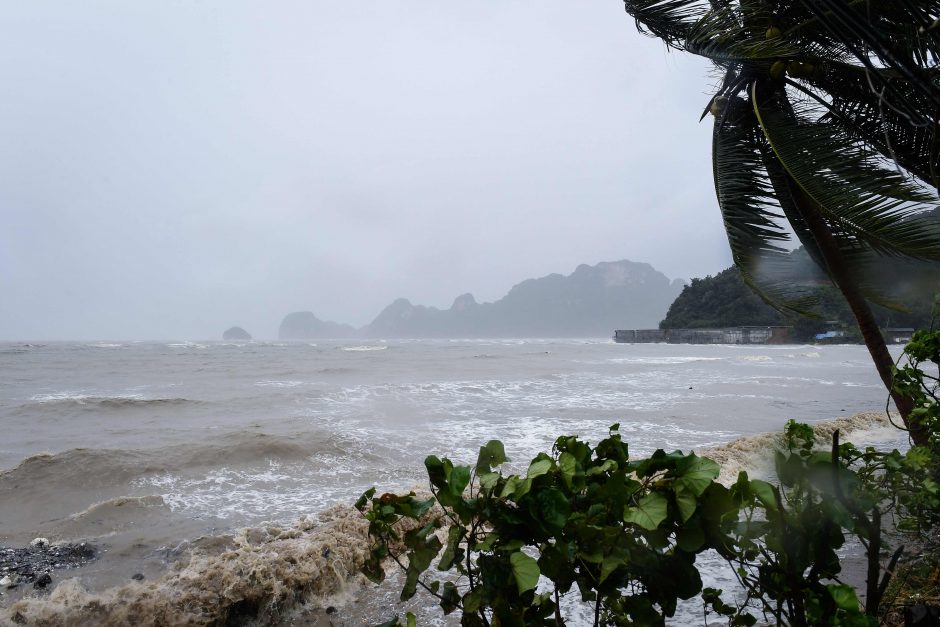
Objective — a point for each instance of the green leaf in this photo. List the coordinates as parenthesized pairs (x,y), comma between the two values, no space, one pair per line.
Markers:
(454,536)
(608,466)
(539,467)
(366,496)
(472,600)
(450,597)
(609,565)
(844,596)
(412,621)
(488,481)
(493,454)
(459,479)
(525,570)
(522,489)
(686,503)
(568,466)
(690,540)
(552,508)
(695,473)
(765,493)
(649,512)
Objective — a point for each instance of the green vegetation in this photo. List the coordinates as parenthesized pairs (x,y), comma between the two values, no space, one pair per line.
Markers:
(726,301)
(723,300)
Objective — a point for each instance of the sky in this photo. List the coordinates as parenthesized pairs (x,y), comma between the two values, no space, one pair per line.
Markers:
(172,168)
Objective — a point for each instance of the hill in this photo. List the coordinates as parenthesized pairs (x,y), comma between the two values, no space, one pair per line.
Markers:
(592,301)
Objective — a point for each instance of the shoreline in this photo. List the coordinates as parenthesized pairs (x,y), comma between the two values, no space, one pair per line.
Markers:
(295,574)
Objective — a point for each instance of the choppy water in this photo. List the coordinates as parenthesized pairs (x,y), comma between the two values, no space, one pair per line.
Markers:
(142,447)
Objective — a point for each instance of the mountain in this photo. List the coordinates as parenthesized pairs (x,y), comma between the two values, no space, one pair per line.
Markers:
(590,302)
(303,325)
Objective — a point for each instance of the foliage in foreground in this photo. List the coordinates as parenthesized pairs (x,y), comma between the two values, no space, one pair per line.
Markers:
(623,534)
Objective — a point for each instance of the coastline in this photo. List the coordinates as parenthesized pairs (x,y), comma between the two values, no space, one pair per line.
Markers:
(306,573)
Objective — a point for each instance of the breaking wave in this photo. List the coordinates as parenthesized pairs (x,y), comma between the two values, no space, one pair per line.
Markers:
(260,575)
(750,453)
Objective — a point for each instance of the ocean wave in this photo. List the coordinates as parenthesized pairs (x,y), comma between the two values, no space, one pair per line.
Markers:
(752,453)
(363,349)
(96,468)
(264,574)
(118,401)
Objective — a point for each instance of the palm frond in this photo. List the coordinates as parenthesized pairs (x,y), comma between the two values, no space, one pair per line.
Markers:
(670,20)
(867,33)
(751,217)
(849,94)
(726,33)
(866,204)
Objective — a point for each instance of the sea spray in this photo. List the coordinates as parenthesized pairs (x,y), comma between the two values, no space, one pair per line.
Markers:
(752,453)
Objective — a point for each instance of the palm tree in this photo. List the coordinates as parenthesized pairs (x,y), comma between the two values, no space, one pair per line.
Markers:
(826,129)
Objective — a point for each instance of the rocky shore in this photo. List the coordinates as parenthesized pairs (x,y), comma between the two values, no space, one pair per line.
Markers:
(35,564)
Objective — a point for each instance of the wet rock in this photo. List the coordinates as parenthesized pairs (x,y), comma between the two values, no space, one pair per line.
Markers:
(137,577)
(30,564)
(44,580)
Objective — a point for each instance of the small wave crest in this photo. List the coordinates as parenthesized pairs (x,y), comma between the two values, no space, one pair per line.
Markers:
(362,349)
(119,401)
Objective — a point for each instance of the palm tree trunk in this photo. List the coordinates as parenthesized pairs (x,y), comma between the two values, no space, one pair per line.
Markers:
(871,334)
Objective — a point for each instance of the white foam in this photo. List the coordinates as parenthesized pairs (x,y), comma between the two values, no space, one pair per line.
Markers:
(661,361)
(82,398)
(362,348)
(279,384)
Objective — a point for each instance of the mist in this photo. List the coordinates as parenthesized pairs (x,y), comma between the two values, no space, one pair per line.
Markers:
(171,169)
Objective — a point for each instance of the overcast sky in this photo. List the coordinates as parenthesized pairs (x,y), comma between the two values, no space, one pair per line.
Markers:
(172,168)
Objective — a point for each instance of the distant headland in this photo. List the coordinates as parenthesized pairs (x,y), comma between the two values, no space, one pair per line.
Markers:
(589,302)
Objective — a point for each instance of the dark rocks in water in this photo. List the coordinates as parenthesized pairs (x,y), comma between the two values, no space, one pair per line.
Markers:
(236,333)
(34,563)
(44,580)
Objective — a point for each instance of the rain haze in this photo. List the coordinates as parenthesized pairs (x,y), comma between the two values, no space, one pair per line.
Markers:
(170,169)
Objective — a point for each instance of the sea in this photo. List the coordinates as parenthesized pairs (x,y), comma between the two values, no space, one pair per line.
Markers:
(202,470)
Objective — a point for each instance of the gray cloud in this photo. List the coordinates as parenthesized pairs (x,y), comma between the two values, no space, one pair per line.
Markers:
(173,168)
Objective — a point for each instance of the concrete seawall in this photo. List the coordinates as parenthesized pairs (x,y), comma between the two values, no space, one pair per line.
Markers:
(729,335)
